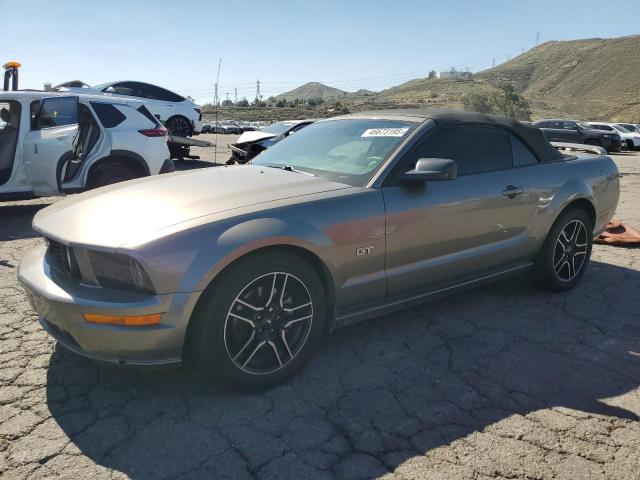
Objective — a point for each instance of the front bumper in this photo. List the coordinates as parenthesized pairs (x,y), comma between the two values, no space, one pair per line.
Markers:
(611,144)
(197,126)
(60,302)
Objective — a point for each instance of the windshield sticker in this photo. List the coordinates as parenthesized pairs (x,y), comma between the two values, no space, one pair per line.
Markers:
(385,132)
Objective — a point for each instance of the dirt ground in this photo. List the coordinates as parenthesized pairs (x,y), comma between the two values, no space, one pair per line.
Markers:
(507,382)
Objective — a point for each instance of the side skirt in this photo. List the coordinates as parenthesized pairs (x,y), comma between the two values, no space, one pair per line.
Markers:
(403,303)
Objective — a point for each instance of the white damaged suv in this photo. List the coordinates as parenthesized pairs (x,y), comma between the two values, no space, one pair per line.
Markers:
(56,143)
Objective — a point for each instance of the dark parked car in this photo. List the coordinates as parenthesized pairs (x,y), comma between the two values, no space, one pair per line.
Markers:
(577,132)
(252,143)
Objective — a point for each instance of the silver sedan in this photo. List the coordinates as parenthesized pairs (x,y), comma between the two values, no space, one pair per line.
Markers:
(245,267)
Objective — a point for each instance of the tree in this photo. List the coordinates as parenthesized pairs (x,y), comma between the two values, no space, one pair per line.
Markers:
(227,103)
(432,75)
(243,103)
(503,100)
(281,103)
(312,102)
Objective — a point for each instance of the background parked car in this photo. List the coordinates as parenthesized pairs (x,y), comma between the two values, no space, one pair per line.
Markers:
(632,139)
(250,144)
(178,114)
(571,131)
(55,143)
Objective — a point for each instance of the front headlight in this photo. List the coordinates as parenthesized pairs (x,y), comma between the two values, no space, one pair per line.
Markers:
(120,272)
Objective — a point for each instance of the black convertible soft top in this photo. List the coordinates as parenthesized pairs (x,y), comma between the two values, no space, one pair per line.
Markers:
(530,135)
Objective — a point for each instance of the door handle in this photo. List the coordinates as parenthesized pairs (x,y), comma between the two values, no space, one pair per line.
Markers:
(512,191)
(61,137)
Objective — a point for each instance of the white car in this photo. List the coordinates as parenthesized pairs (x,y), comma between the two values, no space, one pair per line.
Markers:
(55,143)
(631,138)
(179,115)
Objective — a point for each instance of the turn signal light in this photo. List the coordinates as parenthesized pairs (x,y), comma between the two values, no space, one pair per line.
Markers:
(135,321)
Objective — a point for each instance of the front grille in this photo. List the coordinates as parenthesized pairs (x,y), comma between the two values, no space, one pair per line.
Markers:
(62,259)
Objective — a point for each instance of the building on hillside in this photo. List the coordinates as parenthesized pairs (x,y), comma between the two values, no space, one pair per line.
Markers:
(455,74)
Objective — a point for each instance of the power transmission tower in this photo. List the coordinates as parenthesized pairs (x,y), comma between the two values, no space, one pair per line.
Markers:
(227,94)
(537,38)
(258,96)
(235,95)
(494,61)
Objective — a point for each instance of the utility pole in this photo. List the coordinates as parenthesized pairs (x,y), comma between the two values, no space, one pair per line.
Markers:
(215,95)
(508,57)
(522,49)
(494,61)
(235,95)
(537,38)
(258,96)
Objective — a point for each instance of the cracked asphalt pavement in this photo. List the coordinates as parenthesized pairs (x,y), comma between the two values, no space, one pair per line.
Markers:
(501,382)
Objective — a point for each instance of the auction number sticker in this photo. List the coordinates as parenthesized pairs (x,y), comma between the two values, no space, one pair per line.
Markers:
(385,132)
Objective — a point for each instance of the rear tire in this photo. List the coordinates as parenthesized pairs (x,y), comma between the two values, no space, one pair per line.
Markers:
(564,256)
(258,324)
(178,127)
(630,146)
(110,173)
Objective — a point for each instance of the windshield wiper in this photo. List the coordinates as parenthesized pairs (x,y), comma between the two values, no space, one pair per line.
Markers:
(289,168)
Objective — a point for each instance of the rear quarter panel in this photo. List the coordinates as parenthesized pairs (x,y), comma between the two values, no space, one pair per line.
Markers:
(557,184)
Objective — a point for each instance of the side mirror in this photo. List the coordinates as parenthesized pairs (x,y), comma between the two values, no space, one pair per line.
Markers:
(431,169)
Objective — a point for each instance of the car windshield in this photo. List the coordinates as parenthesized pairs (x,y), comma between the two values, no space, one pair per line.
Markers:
(278,128)
(584,125)
(621,129)
(346,151)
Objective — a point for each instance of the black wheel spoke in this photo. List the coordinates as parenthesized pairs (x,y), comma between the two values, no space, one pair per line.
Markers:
(268,323)
(570,253)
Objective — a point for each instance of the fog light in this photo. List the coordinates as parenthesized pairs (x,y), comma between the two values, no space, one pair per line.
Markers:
(130,321)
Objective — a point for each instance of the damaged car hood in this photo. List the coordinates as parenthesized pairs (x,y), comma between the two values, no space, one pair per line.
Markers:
(250,137)
(108,217)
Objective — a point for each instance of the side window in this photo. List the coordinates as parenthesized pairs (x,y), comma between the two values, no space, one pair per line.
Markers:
(542,124)
(34,108)
(475,149)
(569,126)
(521,154)
(108,115)
(58,112)
(156,93)
(554,124)
(122,88)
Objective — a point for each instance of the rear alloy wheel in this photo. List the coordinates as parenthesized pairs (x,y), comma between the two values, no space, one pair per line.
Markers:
(566,252)
(178,127)
(260,321)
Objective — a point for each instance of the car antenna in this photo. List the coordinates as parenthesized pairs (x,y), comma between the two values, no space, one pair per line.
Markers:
(215,145)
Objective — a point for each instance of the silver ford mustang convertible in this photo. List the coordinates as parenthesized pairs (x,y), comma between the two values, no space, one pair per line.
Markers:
(243,268)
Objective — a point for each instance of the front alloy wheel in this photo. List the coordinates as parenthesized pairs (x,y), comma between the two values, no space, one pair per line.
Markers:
(268,323)
(258,323)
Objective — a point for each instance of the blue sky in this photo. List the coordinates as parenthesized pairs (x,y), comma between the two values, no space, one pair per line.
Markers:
(346,44)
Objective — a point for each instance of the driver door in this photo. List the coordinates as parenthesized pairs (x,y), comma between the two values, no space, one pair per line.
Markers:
(50,144)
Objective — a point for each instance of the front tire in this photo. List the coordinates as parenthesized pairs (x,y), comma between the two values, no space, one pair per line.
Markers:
(566,251)
(258,324)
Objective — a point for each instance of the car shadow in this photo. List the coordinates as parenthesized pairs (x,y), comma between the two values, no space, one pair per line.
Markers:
(15,221)
(382,392)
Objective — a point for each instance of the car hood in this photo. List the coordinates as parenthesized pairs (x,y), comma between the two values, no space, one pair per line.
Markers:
(249,137)
(111,216)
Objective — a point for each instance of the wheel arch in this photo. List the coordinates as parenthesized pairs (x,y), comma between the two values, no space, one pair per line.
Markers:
(131,159)
(326,278)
